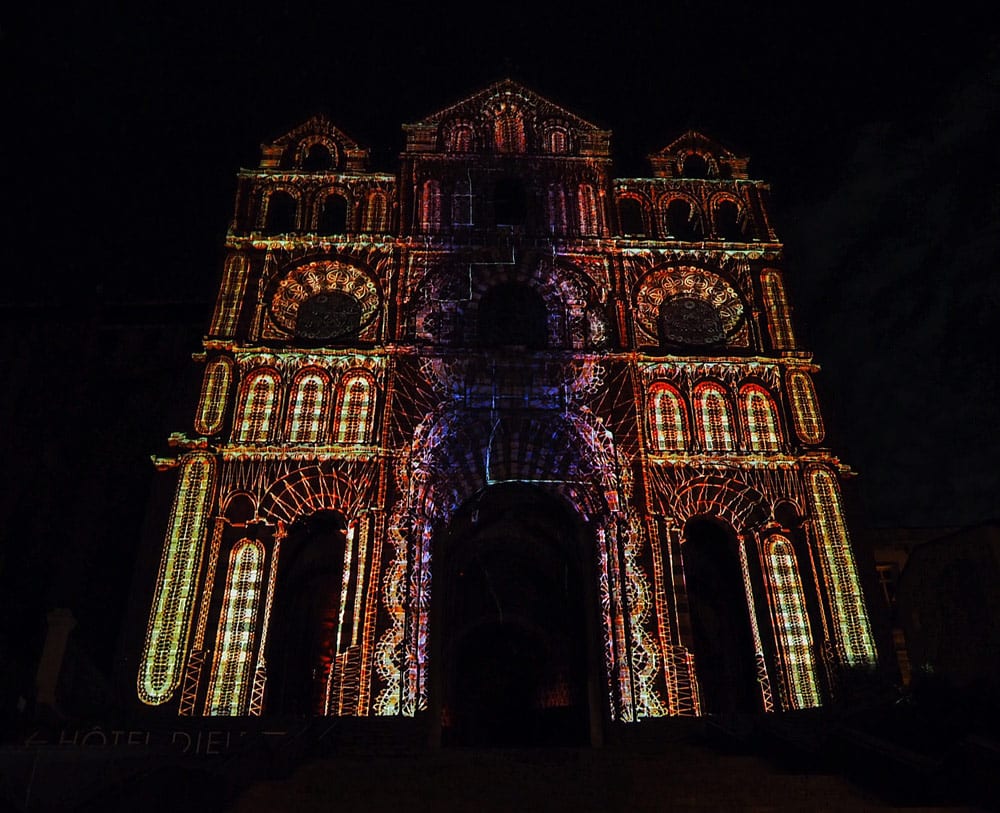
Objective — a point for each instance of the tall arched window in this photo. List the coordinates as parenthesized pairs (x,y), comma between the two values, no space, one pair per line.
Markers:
(682,221)
(375,213)
(727,221)
(557,209)
(258,407)
(282,213)
(176,583)
(631,217)
(509,130)
(791,623)
(852,631)
(354,409)
(461,202)
(333,215)
(317,158)
(805,410)
(214,393)
(711,409)
(779,321)
(760,419)
(234,640)
(557,141)
(587,202)
(430,206)
(667,419)
(461,138)
(307,408)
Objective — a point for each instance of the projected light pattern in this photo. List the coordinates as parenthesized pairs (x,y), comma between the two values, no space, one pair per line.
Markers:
(173,602)
(234,642)
(791,623)
(501,317)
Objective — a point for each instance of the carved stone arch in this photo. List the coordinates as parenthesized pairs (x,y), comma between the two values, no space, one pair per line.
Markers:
(264,213)
(645,212)
(557,137)
(459,135)
(697,221)
(321,199)
(688,283)
(307,490)
(301,283)
(727,498)
(725,228)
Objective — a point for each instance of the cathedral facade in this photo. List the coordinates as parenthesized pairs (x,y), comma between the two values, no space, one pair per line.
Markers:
(503,441)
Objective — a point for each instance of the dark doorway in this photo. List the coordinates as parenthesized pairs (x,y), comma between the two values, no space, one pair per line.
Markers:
(513,314)
(301,639)
(514,619)
(720,622)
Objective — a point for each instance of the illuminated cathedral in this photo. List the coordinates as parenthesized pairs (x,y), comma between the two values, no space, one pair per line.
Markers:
(502,442)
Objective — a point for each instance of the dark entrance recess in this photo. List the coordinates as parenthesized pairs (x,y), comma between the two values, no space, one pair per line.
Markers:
(720,621)
(510,202)
(304,619)
(514,624)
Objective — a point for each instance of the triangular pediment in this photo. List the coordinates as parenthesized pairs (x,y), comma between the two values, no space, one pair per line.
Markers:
(293,149)
(719,160)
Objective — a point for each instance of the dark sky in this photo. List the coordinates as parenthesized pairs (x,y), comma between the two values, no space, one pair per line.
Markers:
(875,127)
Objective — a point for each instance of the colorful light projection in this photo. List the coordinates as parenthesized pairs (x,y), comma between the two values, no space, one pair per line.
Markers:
(352,367)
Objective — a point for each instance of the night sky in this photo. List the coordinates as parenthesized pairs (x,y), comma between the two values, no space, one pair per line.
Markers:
(876,129)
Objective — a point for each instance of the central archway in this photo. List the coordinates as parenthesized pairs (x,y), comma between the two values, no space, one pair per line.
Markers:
(515,635)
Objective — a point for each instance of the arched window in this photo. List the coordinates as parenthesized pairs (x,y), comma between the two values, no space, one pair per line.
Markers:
(317,159)
(695,166)
(682,223)
(805,410)
(333,215)
(711,409)
(430,206)
(852,631)
(587,202)
(176,583)
(509,130)
(234,641)
(258,407)
(354,409)
(307,408)
(728,222)
(282,210)
(557,209)
(375,213)
(214,392)
(779,323)
(557,141)
(227,306)
(513,314)
(760,419)
(461,138)
(667,419)
(631,217)
(791,623)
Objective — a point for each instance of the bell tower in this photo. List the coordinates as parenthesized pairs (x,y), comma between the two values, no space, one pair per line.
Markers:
(502,420)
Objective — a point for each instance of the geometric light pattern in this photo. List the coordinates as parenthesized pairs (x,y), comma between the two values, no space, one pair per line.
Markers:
(307,408)
(852,632)
(354,411)
(711,409)
(760,417)
(258,407)
(173,603)
(235,638)
(214,391)
(805,412)
(779,322)
(668,418)
(791,623)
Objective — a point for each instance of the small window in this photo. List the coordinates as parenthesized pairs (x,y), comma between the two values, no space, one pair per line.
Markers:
(317,159)
(557,140)
(329,316)
(727,222)
(695,166)
(681,221)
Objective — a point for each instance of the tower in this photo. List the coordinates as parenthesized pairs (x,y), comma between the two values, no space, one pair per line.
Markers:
(502,441)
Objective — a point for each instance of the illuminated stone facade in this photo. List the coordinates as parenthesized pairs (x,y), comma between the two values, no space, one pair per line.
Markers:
(502,420)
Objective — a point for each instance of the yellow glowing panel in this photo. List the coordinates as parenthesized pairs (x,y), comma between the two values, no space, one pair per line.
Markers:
(355,410)
(805,409)
(760,418)
(257,410)
(779,321)
(667,419)
(307,409)
(214,391)
(711,410)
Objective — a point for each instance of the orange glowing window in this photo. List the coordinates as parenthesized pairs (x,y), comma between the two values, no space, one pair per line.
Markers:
(509,130)
(711,409)
(760,419)
(234,640)
(214,392)
(667,419)
(430,206)
(258,408)
(557,209)
(557,141)
(805,409)
(791,623)
(227,306)
(852,631)
(375,213)
(779,322)
(354,410)
(307,408)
